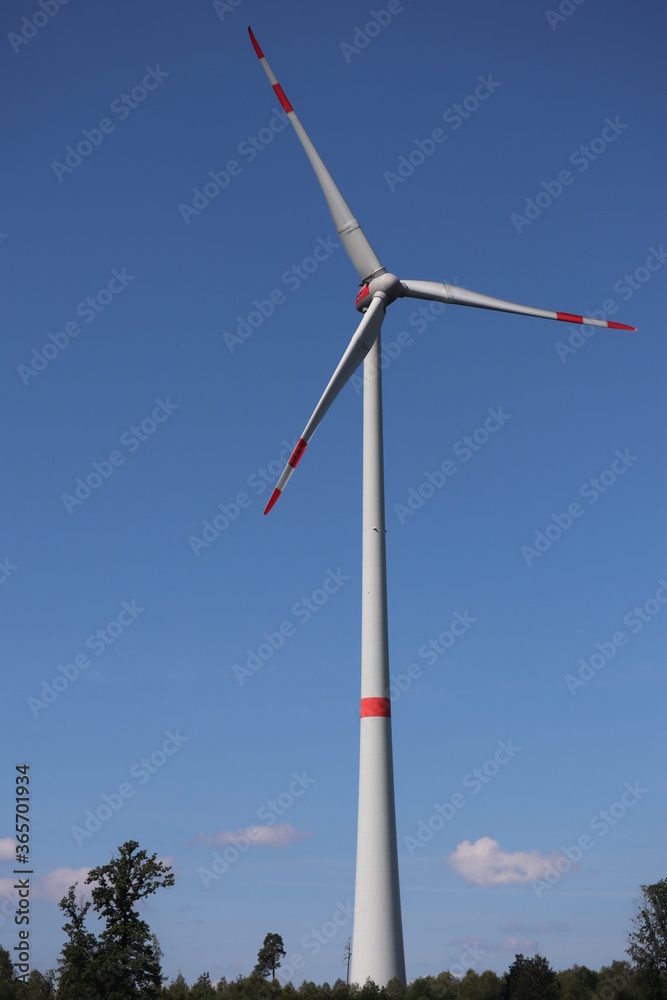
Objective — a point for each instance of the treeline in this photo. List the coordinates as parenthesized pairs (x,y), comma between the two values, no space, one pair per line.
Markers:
(124,960)
(527,979)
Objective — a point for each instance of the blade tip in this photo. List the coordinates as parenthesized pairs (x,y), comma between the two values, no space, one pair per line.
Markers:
(255,44)
(272,502)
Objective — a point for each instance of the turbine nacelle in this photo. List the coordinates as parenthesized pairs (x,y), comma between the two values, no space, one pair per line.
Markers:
(387,285)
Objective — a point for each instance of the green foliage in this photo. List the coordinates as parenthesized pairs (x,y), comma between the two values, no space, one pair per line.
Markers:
(8,984)
(123,963)
(203,989)
(618,982)
(648,941)
(530,979)
(178,989)
(578,983)
(79,953)
(129,951)
(269,956)
(38,987)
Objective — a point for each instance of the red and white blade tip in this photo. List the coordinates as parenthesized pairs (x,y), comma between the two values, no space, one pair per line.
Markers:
(255,44)
(292,463)
(279,92)
(572,318)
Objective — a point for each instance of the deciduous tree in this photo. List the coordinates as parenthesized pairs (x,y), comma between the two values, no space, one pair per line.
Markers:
(648,941)
(130,952)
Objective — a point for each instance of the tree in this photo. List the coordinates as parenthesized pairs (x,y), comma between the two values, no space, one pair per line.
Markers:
(38,986)
(530,979)
(178,989)
(127,950)
(79,953)
(648,940)
(203,989)
(577,983)
(8,984)
(269,956)
(619,981)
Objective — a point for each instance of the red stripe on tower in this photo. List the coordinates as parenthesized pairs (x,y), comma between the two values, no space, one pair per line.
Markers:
(280,94)
(569,318)
(295,457)
(375,707)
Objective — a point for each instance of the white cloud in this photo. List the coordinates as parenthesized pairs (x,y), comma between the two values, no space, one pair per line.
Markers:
(554,926)
(7,888)
(515,945)
(7,848)
(486,864)
(52,887)
(280,835)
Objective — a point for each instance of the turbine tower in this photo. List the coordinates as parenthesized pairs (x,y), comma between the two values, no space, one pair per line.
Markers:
(377,944)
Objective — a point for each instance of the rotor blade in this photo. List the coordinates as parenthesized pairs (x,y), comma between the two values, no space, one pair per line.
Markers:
(361,343)
(352,237)
(439,292)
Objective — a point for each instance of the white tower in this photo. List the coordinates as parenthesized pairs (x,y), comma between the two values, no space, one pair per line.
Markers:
(377,944)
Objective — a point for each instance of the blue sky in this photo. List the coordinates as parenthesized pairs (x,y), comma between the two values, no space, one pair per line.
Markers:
(141,348)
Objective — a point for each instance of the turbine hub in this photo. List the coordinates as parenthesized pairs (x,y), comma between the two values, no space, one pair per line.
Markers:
(388,284)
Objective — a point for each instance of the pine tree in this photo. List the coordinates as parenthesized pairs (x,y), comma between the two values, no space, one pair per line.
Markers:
(269,956)
(178,989)
(203,989)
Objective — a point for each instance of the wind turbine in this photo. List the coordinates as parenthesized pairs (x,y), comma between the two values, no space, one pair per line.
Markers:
(377,947)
